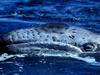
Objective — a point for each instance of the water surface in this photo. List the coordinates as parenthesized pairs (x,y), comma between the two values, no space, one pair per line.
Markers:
(17,14)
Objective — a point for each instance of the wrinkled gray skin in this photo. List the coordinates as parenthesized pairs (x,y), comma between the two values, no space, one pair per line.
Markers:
(52,38)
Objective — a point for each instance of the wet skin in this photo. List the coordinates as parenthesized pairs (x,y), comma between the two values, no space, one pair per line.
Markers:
(51,38)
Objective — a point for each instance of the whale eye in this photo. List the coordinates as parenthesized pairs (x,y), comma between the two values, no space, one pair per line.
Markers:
(89,47)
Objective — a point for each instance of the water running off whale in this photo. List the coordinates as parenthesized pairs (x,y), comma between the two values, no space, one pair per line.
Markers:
(52,39)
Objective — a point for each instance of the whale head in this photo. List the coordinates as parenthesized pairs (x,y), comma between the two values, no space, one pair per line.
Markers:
(52,37)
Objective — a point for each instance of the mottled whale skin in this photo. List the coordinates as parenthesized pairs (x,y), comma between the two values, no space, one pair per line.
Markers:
(52,38)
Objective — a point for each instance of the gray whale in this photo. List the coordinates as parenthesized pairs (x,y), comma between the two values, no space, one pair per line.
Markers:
(52,38)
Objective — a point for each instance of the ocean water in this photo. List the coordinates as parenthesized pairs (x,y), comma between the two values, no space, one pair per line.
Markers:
(17,14)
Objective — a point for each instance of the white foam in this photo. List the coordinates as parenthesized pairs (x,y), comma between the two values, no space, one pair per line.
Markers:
(88,59)
(5,56)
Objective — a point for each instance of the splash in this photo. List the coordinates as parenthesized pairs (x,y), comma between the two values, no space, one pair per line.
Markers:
(88,59)
(6,56)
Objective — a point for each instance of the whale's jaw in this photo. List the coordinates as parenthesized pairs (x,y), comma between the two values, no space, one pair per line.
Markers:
(36,48)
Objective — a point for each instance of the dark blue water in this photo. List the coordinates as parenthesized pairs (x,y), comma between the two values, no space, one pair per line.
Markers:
(48,66)
(17,14)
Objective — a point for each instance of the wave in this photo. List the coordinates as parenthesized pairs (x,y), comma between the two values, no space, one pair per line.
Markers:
(5,56)
(88,59)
